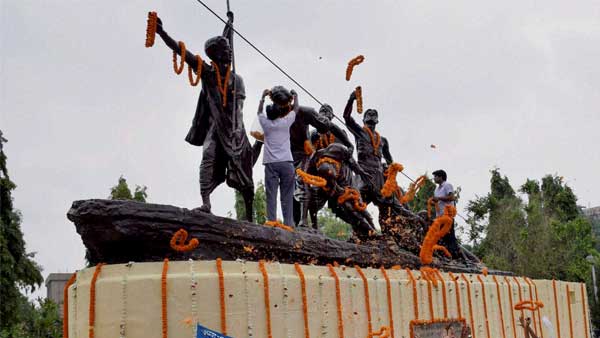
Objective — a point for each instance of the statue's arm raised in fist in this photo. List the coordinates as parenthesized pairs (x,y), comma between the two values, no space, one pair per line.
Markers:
(190,59)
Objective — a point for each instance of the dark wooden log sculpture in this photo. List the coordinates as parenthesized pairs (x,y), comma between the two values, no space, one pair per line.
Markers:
(123,231)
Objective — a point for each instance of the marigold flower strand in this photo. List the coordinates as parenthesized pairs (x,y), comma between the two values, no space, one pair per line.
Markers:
(222,296)
(151,29)
(304,299)
(92,311)
(263,270)
(388,286)
(163,290)
(66,305)
(198,71)
(179,69)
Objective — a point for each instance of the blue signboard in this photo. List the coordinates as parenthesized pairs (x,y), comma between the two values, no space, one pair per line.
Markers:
(203,332)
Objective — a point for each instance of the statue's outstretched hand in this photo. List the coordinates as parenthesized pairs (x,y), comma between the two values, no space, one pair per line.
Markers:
(230,16)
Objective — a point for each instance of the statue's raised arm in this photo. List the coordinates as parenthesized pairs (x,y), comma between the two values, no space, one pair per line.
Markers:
(190,58)
(228,30)
(350,122)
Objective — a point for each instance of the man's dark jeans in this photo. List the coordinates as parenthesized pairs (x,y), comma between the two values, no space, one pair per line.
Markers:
(280,175)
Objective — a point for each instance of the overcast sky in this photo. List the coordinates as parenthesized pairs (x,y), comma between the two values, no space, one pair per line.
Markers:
(512,84)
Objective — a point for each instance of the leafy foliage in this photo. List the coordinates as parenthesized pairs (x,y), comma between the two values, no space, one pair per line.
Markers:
(419,203)
(332,226)
(42,320)
(18,270)
(259,205)
(121,191)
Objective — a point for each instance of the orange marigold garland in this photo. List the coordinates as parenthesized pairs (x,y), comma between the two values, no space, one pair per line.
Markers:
(384,332)
(329,160)
(485,312)
(585,314)
(66,305)
(390,186)
(520,299)
(470,303)
(425,275)
(307,178)
(431,203)
(538,310)
(512,313)
(198,71)
(388,287)
(415,296)
(457,293)
(277,224)
(413,188)
(178,241)
(556,307)
(351,194)
(367,299)
(359,99)
(438,229)
(354,62)
(263,270)
(569,307)
(500,306)
(222,296)
(222,83)
(308,148)
(530,305)
(92,317)
(338,301)
(375,139)
(304,299)
(163,298)
(443,282)
(151,29)
(179,69)
(535,324)
(324,140)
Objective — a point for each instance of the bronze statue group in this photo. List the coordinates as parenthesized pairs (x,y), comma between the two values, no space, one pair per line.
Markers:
(310,169)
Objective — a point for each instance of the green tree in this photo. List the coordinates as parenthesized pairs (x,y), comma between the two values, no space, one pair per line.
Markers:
(332,226)
(40,321)
(259,205)
(121,191)
(544,237)
(419,203)
(18,270)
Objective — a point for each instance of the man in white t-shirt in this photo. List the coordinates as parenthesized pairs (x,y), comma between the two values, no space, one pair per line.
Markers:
(277,157)
(444,195)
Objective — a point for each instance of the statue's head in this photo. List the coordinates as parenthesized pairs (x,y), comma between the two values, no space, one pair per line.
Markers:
(327,170)
(326,111)
(282,102)
(371,117)
(218,50)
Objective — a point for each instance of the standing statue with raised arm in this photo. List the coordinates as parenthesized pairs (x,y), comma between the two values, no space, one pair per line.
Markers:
(371,149)
(321,140)
(218,125)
